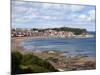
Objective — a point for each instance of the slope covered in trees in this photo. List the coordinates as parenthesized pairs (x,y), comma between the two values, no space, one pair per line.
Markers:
(76,31)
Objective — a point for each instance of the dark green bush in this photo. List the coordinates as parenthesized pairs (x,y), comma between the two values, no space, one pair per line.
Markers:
(16,61)
(29,63)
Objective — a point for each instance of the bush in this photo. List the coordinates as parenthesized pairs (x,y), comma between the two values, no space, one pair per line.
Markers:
(28,63)
(16,61)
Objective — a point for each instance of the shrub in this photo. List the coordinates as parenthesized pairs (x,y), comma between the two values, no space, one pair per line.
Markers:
(29,63)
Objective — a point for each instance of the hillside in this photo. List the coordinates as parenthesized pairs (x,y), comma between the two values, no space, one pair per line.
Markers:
(76,31)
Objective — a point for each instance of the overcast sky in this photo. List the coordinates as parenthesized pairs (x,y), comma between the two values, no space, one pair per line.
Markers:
(49,15)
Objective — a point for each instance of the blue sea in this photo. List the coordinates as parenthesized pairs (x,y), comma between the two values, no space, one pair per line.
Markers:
(69,46)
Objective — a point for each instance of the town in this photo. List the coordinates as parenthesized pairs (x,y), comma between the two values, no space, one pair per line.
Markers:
(56,32)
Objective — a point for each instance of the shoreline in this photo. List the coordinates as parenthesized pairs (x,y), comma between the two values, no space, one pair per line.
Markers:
(56,58)
(17,42)
(43,37)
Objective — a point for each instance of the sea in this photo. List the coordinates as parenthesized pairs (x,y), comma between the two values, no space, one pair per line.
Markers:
(69,46)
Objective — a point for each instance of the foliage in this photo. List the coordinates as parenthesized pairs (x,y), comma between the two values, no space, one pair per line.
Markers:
(16,61)
(76,31)
(29,63)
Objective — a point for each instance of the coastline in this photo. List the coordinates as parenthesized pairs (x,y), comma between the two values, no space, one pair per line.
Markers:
(57,59)
(16,41)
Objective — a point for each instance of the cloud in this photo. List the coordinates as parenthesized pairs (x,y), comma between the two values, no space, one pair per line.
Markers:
(46,11)
(92,15)
(86,17)
(89,17)
(44,14)
(83,17)
(72,8)
(46,17)
(19,10)
(50,5)
(75,8)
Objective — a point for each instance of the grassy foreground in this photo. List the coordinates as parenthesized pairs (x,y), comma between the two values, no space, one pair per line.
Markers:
(29,63)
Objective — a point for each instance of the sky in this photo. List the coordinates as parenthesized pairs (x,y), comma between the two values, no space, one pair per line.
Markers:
(52,15)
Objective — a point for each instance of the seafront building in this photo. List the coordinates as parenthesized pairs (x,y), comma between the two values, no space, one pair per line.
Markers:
(18,32)
(46,33)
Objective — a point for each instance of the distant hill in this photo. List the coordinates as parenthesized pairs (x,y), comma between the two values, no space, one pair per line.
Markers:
(76,31)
